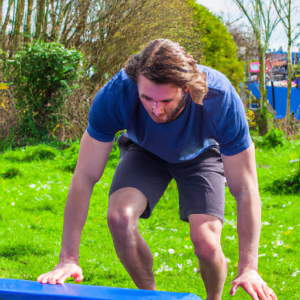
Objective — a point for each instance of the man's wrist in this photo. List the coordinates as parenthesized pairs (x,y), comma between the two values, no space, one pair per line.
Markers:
(244,269)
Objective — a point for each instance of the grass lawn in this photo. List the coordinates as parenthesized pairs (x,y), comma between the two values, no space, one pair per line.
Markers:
(31,221)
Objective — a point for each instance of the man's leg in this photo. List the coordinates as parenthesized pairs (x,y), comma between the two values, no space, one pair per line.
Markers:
(124,209)
(205,231)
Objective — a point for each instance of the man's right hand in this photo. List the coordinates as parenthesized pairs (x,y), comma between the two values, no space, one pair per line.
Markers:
(61,272)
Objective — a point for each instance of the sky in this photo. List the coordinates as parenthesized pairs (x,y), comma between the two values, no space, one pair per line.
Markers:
(230,11)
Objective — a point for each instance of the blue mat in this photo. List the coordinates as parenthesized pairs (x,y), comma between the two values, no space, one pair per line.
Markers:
(280,98)
(12,289)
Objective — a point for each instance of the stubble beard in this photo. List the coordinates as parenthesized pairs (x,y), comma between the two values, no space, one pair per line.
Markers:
(181,104)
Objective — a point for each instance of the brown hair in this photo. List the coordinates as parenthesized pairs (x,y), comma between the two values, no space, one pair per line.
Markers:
(165,62)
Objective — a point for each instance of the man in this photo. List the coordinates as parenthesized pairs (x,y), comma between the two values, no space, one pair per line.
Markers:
(179,117)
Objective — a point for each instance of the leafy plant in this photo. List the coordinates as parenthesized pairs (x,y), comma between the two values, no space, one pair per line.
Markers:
(287,185)
(71,156)
(11,173)
(272,139)
(251,119)
(42,75)
(31,153)
(218,45)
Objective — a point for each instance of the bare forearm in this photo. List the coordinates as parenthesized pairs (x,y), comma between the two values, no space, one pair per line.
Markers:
(76,211)
(248,226)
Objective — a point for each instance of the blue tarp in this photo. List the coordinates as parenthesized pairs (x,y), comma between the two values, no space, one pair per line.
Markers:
(280,94)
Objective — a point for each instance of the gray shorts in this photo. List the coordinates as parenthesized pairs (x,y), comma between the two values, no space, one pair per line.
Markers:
(200,181)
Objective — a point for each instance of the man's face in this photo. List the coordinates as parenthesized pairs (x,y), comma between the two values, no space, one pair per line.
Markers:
(162,102)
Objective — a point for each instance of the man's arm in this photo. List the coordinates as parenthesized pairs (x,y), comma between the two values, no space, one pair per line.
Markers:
(240,171)
(93,156)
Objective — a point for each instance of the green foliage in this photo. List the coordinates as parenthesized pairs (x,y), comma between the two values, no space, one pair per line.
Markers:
(31,153)
(11,173)
(290,184)
(272,139)
(218,45)
(71,156)
(42,75)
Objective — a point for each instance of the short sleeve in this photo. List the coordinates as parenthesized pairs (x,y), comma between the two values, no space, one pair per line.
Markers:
(233,131)
(107,114)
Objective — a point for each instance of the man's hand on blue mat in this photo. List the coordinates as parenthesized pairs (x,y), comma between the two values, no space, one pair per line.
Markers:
(254,285)
(61,272)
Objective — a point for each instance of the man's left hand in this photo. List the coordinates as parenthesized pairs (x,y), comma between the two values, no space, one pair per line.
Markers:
(253,284)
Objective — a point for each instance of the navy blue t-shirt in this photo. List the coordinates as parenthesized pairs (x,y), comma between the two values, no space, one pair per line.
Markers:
(220,119)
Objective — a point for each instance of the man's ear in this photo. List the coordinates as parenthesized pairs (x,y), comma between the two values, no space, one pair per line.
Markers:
(185,89)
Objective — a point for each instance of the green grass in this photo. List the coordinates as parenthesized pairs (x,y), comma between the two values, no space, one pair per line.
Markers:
(31,221)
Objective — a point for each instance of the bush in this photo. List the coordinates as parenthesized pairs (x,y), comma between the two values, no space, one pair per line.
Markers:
(250,119)
(71,156)
(218,45)
(288,185)
(42,75)
(272,139)
(11,173)
(31,153)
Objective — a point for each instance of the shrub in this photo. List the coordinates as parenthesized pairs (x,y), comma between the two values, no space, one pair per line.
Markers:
(272,139)
(71,156)
(218,45)
(11,173)
(42,75)
(31,153)
(250,119)
(288,185)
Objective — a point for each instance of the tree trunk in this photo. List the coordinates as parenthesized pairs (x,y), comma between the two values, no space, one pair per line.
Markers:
(6,20)
(289,65)
(262,76)
(289,62)
(40,18)
(28,22)
(262,119)
(62,12)
(1,5)
(19,21)
(53,20)
(46,18)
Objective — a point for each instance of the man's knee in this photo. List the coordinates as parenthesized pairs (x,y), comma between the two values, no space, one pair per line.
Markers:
(120,219)
(206,248)
(205,235)
(125,207)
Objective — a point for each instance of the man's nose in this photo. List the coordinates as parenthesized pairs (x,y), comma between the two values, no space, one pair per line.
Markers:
(158,108)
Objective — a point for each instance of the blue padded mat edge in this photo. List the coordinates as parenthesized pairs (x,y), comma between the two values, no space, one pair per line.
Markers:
(13,289)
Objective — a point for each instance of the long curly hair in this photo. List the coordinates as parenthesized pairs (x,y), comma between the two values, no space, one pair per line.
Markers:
(165,62)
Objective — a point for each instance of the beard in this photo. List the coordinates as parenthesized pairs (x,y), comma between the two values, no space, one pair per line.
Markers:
(175,112)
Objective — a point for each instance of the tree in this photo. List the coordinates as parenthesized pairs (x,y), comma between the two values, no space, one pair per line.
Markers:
(5,23)
(261,19)
(218,45)
(247,45)
(40,17)
(1,5)
(19,21)
(284,11)
(27,29)
(112,38)
(106,31)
